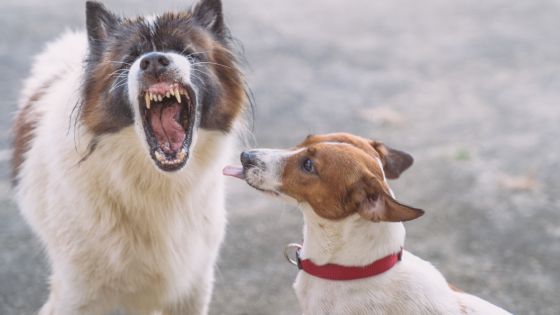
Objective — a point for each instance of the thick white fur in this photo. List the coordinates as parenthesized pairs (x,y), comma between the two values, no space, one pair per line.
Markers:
(118,232)
(413,286)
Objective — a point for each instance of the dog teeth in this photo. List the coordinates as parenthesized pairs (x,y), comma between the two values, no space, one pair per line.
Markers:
(160,157)
(177,95)
(174,91)
(181,155)
(148,100)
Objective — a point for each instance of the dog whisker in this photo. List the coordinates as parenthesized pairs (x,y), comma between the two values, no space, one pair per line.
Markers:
(121,62)
(211,63)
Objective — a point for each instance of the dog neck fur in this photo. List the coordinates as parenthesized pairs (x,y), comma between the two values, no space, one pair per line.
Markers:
(327,241)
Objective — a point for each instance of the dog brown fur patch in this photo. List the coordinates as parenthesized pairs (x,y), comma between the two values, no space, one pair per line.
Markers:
(23,127)
(454,288)
(348,179)
(359,142)
(339,167)
(97,113)
(232,96)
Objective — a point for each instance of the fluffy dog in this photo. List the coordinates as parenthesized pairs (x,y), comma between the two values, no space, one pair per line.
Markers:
(119,141)
(352,260)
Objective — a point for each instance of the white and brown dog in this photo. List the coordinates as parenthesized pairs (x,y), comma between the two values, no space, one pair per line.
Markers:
(119,142)
(352,258)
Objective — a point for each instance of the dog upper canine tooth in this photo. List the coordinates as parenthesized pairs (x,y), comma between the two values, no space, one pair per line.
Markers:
(147,98)
(177,95)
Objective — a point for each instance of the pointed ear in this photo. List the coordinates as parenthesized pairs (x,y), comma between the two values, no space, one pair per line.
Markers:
(394,161)
(208,14)
(99,22)
(376,205)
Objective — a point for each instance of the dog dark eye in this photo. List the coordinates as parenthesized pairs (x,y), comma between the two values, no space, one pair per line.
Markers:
(134,52)
(196,56)
(193,56)
(308,166)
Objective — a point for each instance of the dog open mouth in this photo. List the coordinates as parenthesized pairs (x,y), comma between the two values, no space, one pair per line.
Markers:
(168,117)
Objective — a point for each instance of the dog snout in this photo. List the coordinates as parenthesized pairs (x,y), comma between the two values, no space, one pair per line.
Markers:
(154,63)
(248,158)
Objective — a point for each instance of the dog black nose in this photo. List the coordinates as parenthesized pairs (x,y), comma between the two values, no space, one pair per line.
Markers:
(154,63)
(248,158)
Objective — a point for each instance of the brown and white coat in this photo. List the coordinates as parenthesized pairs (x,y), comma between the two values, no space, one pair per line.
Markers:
(124,227)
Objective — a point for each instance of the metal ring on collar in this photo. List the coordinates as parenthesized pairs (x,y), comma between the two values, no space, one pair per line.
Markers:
(287,249)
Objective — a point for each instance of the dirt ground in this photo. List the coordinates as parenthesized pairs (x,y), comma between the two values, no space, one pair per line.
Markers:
(469,88)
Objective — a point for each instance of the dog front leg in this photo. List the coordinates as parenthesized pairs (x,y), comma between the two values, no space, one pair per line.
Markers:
(54,307)
(194,302)
(66,300)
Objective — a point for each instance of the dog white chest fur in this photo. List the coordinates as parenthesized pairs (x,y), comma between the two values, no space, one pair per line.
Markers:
(119,232)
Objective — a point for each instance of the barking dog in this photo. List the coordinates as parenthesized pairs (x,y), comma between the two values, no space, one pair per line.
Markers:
(352,259)
(119,142)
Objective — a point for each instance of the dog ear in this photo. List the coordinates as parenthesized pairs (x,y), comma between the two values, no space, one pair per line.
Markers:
(99,22)
(394,161)
(208,13)
(373,203)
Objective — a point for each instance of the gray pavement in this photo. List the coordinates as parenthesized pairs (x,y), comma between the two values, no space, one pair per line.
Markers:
(470,88)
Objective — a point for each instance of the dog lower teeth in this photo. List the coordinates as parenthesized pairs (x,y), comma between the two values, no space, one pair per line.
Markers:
(180,157)
(160,156)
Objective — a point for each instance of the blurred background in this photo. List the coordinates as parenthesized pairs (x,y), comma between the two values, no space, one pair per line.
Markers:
(470,88)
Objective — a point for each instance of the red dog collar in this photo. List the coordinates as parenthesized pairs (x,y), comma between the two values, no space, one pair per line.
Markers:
(339,272)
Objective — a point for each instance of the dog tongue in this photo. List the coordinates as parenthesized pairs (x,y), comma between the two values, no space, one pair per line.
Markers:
(234,171)
(169,133)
